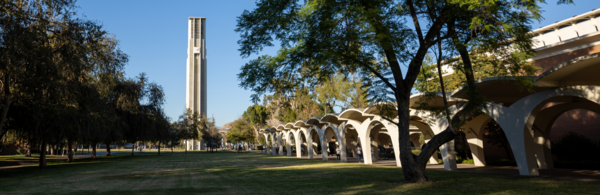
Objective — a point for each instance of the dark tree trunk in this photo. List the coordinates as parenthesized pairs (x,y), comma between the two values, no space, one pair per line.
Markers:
(7,101)
(69,151)
(43,155)
(94,150)
(108,148)
(158,148)
(132,149)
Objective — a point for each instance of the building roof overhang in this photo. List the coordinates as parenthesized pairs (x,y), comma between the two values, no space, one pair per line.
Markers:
(578,71)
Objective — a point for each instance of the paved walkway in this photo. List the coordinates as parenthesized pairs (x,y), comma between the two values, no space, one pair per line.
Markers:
(574,174)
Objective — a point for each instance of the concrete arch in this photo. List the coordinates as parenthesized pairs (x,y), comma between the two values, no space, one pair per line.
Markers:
(302,132)
(474,131)
(542,126)
(517,120)
(432,124)
(325,140)
(378,123)
(288,146)
(362,129)
(311,142)
(345,130)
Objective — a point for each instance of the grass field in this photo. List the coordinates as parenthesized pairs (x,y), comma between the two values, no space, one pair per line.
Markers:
(250,173)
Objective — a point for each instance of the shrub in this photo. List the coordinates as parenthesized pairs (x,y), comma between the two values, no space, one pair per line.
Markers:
(258,148)
(21,151)
(469,161)
(574,146)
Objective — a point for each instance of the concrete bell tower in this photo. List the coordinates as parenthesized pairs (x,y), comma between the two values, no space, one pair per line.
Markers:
(196,70)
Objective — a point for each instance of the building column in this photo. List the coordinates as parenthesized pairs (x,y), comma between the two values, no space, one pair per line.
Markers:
(280,144)
(309,145)
(298,144)
(448,156)
(365,145)
(288,146)
(272,144)
(476,146)
(324,147)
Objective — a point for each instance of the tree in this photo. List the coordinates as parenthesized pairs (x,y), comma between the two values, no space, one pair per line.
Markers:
(343,91)
(189,126)
(210,133)
(375,38)
(241,131)
(257,115)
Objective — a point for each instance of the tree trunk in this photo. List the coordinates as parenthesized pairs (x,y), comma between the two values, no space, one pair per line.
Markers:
(43,155)
(159,148)
(108,148)
(69,151)
(185,146)
(132,149)
(94,145)
(7,102)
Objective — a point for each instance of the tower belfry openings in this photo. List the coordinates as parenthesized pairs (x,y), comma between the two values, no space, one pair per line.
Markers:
(196,69)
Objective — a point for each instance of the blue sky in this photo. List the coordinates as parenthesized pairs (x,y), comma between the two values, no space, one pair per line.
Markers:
(153,34)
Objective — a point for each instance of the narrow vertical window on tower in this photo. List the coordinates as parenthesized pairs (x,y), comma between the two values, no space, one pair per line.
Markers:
(196,81)
(196,32)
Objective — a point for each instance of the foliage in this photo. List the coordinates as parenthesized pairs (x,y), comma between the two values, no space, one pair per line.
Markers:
(257,116)
(341,91)
(63,81)
(210,133)
(495,136)
(189,125)
(241,131)
(575,147)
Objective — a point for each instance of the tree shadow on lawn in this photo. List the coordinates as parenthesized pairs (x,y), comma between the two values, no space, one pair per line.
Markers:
(209,190)
(58,165)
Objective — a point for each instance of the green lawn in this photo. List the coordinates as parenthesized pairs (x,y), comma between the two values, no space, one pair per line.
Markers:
(249,173)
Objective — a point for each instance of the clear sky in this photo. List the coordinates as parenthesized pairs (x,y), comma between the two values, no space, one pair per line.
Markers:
(154,35)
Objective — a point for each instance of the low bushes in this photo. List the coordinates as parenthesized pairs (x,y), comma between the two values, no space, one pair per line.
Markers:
(575,147)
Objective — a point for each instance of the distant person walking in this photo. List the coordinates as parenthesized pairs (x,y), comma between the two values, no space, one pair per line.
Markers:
(337,153)
(358,153)
(372,153)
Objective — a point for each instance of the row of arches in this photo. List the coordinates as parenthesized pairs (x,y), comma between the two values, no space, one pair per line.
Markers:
(526,124)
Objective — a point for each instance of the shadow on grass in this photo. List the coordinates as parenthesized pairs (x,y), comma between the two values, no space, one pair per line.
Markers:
(210,190)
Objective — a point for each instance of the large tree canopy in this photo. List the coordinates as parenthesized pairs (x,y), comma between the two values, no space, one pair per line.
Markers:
(375,39)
